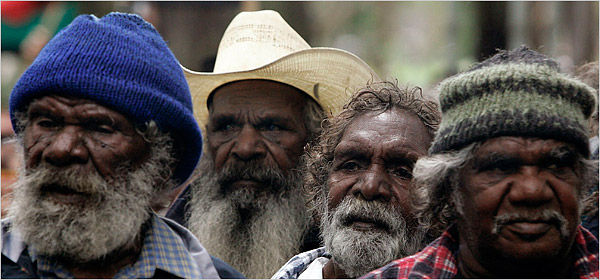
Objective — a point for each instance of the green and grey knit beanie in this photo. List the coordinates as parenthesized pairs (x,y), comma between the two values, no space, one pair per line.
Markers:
(514,93)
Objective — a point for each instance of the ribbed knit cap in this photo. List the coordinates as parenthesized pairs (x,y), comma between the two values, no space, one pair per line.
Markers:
(121,62)
(514,93)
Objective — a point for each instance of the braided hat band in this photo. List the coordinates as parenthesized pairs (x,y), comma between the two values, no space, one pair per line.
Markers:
(503,96)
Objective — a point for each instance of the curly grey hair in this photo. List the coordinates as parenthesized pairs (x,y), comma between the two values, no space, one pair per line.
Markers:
(375,97)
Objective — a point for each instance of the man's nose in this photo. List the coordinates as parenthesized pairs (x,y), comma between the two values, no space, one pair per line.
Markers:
(530,187)
(66,147)
(249,144)
(373,185)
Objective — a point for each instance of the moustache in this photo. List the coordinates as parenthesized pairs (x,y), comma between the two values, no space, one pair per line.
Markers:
(271,177)
(549,216)
(382,215)
(70,180)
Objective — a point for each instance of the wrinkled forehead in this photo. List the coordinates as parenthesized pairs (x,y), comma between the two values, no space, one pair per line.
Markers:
(258,91)
(390,130)
(61,106)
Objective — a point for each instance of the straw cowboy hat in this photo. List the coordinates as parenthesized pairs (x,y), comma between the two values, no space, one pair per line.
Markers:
(262,45)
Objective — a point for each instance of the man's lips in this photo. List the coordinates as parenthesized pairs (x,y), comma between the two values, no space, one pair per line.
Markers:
(365,224)
(529,230)
(238,184)
(64,195)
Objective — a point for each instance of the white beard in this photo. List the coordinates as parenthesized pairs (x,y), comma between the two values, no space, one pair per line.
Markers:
(109,221)
(359,252)
(254,233)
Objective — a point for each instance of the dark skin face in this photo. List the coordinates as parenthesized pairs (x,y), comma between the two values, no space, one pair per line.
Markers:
(66,132)
(518,175)
(257,120)
(374,161)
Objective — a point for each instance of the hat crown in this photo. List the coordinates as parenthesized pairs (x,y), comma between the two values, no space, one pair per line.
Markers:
(514,93)
(255,39)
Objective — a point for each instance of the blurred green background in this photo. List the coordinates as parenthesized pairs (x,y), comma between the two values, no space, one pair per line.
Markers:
(419,43)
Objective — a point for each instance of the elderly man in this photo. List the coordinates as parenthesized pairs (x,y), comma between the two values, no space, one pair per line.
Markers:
(104,122)
(506,176)
(264,101)
(359,174)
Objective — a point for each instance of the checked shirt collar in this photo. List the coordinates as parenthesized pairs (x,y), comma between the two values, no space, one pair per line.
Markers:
(162,249)
(438,259)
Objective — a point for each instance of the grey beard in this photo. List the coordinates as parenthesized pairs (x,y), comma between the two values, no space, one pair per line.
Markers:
(359,252)
(109,221)
(255,231)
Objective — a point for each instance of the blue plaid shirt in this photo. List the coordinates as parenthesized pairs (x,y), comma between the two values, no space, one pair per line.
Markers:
(298,264)
(162,249)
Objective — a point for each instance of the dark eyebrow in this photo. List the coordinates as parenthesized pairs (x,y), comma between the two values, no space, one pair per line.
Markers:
(401,153)
(344,152)
(36,111)
(100,119)
(266,120)
(272,119)
(402,160)
(221,119)
(496,159)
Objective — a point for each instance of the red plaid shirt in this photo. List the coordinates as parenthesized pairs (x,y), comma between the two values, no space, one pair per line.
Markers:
(438,259)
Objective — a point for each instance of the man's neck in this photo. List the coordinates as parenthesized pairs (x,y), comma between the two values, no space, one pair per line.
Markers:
(332,270)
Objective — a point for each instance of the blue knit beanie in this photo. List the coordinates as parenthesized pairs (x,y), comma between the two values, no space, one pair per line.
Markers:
(121,62)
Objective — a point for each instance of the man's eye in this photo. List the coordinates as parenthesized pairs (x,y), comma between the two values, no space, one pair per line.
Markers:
(225,127)
(271,127)
(103,129)
(350,165)
(402,173)
(560,168)
(47,123)
(557,164)
(500,167)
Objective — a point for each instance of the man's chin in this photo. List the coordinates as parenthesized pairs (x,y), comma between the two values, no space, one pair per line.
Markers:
(250,198)
(359,252)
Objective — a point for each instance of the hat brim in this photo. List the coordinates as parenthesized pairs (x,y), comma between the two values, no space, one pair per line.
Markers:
(328,75)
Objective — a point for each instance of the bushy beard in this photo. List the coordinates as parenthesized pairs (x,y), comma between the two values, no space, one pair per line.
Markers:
(359,252)
(109,220)
(254,230)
